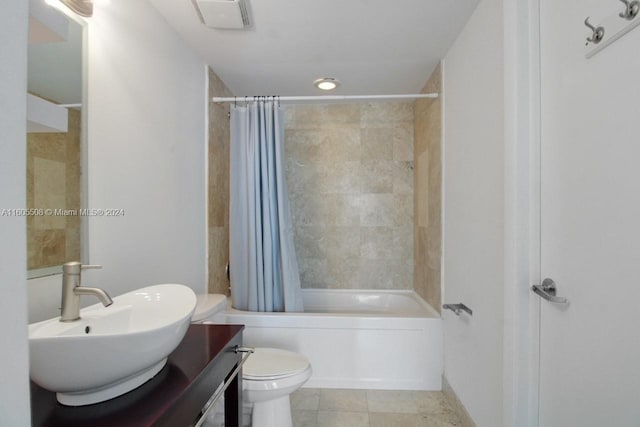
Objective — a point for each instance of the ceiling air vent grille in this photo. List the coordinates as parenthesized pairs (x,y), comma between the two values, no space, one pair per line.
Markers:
(244,11)
(223,14)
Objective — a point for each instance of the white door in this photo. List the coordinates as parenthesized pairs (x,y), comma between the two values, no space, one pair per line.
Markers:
(590,221)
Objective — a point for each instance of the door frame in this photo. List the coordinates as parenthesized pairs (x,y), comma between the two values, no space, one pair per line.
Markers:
(522,197)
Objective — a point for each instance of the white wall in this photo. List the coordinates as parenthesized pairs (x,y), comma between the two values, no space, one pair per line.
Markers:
(473,250)
(14,358)
(147,140)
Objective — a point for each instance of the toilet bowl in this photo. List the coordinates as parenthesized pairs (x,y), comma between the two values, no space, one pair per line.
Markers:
(270,375)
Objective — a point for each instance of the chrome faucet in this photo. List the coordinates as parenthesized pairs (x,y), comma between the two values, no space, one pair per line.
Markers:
(71,291)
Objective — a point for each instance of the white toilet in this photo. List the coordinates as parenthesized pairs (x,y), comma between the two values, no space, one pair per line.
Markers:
(269,375)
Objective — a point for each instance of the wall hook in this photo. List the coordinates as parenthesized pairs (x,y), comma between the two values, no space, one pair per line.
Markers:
(598,32)
(633,7)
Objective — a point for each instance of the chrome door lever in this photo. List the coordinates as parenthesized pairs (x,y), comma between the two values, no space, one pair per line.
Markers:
(547,290)
(457,308)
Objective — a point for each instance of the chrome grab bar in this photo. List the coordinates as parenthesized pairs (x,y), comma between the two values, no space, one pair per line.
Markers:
(547,290)
(457,308)
(211,403)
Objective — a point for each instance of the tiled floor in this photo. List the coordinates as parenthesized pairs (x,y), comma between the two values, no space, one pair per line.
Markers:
(312,407)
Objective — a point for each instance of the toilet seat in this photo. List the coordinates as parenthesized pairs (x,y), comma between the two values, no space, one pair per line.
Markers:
(268,364)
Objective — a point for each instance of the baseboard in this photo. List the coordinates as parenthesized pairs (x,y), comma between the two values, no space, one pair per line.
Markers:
(457,406)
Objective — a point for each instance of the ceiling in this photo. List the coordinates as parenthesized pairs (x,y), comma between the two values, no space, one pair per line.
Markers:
(371,46)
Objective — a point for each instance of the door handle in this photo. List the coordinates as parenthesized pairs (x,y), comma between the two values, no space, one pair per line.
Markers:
(547,290)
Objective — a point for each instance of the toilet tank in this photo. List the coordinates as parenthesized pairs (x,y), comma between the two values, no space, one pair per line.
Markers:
(208,306)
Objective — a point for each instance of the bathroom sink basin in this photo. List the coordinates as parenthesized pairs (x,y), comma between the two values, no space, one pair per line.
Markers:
(110,350)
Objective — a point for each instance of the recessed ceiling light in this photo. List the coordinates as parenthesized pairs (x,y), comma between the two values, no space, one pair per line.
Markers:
(326,83)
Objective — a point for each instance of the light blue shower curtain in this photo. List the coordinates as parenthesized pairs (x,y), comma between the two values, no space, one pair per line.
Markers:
(264,269)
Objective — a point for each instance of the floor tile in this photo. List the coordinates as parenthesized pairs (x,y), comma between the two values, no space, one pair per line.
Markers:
(395,420)
(448,420)
(433,402)
(394,401)
(343,400)
(313,407)
(304,418)
(343,419)
(305,399)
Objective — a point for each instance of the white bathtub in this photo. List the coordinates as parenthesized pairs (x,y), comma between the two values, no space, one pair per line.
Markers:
(355,338)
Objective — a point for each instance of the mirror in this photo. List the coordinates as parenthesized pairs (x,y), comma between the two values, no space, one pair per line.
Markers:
(56,139)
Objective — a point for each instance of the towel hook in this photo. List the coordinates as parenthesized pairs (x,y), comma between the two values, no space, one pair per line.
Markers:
(632,9)
(598,32)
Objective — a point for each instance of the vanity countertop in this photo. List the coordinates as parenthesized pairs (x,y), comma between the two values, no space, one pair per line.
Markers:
(172,398)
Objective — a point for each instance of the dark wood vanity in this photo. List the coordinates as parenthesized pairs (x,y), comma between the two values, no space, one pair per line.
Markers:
(173,398)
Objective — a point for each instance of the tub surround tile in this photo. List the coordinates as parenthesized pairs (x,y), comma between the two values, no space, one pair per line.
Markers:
(377,210)
(313,272)
(427,128)
(402,177)
(377,144)
(332,145)
(309,116)
(324,210)
(218,186)
(47,247)
(375,242)
(403,242)
(402,209)
(377,176)
(343,273)
(305,178)
(377,113)
(326,241)
(376,274)
(53,182)
(342,177)
(403,142)
(218,258)
(403,274)
(348,167)
(339,114)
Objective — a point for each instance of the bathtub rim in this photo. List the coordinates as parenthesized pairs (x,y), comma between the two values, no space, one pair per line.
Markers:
(430,312)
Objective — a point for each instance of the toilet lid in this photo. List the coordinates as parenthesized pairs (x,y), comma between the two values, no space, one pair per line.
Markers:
(272,362)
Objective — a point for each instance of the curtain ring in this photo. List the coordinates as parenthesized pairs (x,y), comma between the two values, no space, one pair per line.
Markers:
(235,101)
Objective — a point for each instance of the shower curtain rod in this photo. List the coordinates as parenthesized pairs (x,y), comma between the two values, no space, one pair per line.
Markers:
(327,98)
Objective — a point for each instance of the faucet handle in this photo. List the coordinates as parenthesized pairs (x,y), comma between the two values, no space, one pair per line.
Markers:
(90,267)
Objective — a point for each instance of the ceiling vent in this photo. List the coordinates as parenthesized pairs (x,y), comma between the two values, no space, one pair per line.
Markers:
(223,14)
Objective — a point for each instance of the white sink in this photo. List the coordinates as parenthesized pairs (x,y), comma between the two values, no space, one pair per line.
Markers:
(110,350)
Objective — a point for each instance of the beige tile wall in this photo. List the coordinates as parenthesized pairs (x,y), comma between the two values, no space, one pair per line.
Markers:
(53,182)
(428,193)
(218,186)
(350,178)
